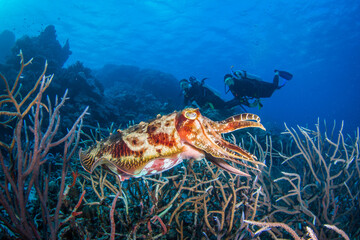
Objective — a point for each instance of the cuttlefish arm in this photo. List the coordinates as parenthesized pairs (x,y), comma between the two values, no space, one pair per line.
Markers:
(214,129)
(224,165)
(236,122)
(205,135)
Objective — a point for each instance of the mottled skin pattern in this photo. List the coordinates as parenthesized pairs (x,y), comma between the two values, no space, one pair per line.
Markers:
(158,145)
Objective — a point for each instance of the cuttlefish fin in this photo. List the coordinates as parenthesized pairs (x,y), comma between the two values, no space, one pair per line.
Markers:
(224,165)
(90,162)
(86,160)
(111,166)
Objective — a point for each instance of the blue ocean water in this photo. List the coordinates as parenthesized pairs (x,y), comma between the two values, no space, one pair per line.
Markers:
(317,41)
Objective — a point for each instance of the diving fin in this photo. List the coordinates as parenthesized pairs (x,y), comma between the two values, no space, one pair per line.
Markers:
(286,75)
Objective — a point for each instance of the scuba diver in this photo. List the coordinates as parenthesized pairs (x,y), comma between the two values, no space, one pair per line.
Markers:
(195,91)
(245,86)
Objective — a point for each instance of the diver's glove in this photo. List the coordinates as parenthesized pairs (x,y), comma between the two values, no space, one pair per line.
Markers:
(257,103)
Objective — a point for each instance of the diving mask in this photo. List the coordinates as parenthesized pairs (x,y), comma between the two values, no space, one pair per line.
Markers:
(184,85)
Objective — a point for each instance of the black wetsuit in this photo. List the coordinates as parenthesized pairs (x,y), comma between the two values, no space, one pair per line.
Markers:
(203,96)
(253,88)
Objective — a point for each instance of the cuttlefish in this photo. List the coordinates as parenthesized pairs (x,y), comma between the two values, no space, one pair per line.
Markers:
(160,144)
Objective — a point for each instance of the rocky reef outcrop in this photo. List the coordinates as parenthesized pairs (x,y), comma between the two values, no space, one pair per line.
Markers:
(114,93)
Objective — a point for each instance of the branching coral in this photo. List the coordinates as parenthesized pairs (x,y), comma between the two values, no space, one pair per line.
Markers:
(266,226)
(24,158)
(326,186)
(201,201)
(318,184)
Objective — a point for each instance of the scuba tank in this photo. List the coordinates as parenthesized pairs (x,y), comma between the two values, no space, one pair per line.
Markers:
(242,74)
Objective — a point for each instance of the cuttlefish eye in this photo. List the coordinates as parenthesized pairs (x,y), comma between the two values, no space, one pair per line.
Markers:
(190,115)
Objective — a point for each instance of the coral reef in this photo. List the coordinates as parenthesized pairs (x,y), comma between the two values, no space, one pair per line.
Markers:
(309,188)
